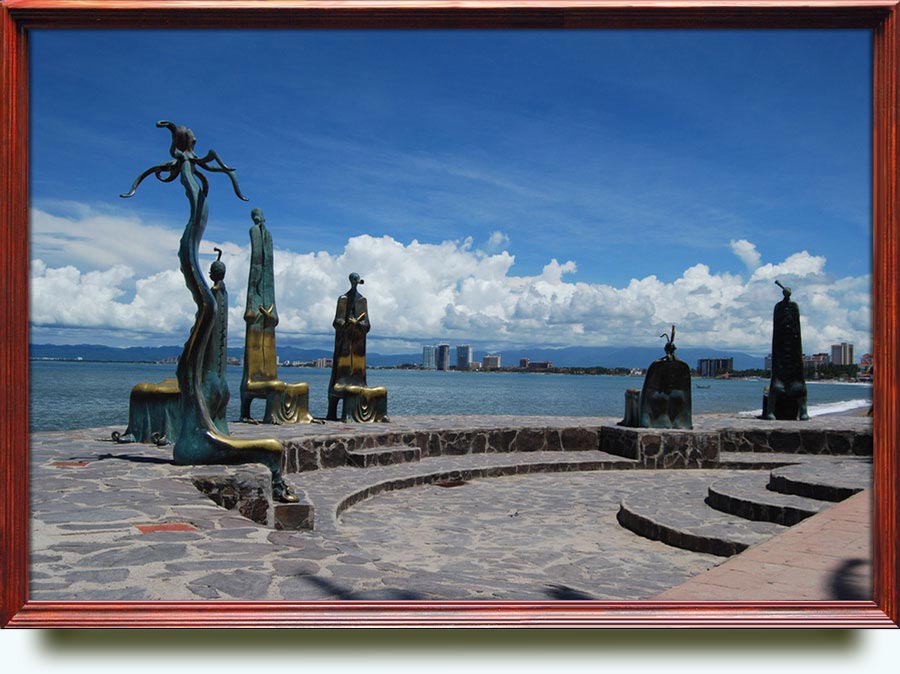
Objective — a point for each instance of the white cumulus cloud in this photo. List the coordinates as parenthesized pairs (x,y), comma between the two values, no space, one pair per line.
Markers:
(747,253)
(420,292)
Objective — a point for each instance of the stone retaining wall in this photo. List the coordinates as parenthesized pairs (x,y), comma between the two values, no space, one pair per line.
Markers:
(653,448)
(316,452)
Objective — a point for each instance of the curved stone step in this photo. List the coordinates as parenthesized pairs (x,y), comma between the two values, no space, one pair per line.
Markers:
(746,495)
(677,515)
(383,456)
(826,481)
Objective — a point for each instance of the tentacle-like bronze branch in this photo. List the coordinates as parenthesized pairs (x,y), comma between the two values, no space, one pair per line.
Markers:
(170,166)
(220,168)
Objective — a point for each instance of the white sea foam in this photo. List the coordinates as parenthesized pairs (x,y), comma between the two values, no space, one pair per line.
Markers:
(824,408)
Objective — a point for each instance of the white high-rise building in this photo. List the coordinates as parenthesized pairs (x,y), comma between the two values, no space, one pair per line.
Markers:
(842,354)
(428,358)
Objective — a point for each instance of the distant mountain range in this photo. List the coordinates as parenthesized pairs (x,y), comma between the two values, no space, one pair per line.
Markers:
(572,356)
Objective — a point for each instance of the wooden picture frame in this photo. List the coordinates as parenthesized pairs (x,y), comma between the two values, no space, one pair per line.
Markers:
(18,17)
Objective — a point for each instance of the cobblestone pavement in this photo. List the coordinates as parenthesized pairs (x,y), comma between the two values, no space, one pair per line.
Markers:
(121,522)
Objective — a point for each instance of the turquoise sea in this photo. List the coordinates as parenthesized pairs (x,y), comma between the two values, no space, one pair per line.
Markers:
(66,395)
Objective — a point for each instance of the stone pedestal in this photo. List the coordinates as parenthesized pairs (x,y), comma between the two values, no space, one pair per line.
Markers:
(293,516)
(668,448)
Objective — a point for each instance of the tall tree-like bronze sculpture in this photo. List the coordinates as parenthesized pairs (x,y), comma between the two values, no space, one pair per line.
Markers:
(348,366)
(787,390)
(285,403)
(200,440)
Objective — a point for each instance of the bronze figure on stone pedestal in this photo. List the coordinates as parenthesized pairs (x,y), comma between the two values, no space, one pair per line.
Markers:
(285,403)
(348,367)
(665,399)
(786,399)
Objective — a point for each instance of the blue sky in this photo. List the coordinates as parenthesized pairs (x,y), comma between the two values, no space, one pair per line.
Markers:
(628,158)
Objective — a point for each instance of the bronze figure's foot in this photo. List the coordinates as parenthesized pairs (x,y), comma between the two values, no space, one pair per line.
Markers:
(282,493)
(159,440)
(249,420)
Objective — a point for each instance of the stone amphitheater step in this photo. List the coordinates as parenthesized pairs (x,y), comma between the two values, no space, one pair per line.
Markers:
(383,456)
(827,481)
(334,490)
(677,515)
(747,495)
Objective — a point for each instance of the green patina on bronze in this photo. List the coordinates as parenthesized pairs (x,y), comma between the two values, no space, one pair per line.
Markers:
(154,410)
(201,439)
(665,399)
(285,403)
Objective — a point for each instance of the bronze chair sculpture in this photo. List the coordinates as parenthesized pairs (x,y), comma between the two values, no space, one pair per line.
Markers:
(154,410)
(348,368)
(285,403)
(665,399)
(786,399)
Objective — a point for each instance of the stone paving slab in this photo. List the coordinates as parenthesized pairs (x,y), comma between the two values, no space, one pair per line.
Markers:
(333,491)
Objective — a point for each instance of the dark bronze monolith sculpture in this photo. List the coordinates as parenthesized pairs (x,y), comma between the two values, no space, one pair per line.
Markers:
(285,403)
(787,390)
(200,440)
(348,368)
(665,399)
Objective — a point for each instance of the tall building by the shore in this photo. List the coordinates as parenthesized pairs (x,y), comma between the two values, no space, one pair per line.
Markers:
(491,362)
(842,354)
(442,357)
(713,367)
(464,357)
(428,358)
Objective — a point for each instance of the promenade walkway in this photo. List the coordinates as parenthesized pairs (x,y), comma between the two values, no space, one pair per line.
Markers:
(121,522)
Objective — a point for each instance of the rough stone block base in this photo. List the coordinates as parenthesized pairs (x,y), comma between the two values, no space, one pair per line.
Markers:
(293,516)
(662,448)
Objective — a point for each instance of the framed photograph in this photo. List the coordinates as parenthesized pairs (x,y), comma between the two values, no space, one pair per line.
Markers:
(556,180)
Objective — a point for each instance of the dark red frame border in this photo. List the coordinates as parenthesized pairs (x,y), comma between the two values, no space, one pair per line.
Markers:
(18,16)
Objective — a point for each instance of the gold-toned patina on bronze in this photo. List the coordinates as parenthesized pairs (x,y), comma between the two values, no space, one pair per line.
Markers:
(285,403)
(201,440)
(348,367)
(154,410)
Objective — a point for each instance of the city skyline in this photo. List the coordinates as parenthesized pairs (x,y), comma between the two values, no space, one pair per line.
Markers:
(507,189)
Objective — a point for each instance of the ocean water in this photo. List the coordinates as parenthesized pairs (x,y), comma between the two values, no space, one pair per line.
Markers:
(67,395)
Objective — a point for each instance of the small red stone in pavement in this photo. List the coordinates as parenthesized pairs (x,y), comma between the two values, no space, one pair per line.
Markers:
(168,526)
(69,464)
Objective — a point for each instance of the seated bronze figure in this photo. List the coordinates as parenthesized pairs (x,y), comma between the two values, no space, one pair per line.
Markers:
(348,368)
(285,403)
(154,410)
(665,399)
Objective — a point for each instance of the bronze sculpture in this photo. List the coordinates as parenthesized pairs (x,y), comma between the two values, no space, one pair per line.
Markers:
(665,399)
(154,410)
(348,367)
(285,403)
(787,390)
(201,440)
